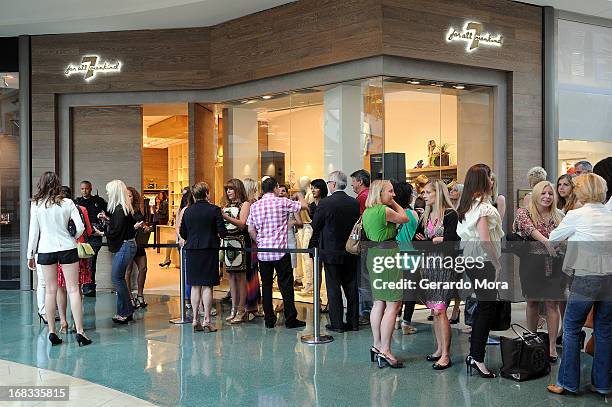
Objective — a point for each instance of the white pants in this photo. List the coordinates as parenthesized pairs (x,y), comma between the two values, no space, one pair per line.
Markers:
(292,244)
(304,267)
(40,288)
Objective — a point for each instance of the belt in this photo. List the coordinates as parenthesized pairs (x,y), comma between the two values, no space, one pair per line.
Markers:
(130,240)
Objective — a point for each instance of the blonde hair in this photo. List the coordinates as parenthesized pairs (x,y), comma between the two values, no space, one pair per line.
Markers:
(443,201)
(251,187)
(376,188)
(118,195)
(536,175)
(590,188)
(200,191)
(555,213)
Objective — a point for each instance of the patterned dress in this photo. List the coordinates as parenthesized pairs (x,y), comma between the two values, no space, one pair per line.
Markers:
(235,261)
(84,270)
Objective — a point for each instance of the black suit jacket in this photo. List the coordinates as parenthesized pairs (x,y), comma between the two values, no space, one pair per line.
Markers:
(202,226)
(332,224)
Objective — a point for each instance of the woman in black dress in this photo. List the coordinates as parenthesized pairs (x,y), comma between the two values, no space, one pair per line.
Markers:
(202,227)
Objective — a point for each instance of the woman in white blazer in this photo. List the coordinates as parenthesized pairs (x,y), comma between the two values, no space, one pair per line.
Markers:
(50,214)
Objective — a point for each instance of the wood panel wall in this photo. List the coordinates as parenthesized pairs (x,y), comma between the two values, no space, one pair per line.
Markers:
(295,37)
(155,166)
(107,145)
(204,151)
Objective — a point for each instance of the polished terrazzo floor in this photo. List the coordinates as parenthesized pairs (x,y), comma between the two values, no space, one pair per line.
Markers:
(250,365)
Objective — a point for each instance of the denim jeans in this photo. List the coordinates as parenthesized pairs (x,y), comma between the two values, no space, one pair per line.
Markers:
(585,293)
(121,259)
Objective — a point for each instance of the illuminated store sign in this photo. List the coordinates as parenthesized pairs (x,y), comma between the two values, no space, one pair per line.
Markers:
(474,35)
(91,65)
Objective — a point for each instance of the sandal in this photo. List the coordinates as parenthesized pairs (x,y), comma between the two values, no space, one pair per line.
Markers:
(408,329)
(134,302)
(210,327)
(141,302)
(553,388)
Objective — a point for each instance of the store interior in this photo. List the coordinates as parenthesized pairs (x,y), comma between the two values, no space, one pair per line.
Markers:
(423,127)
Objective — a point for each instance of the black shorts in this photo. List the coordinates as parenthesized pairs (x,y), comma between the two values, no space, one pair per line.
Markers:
(63,257)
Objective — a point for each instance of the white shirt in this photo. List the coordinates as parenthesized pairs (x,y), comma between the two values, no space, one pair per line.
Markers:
(49,227)
(589,232)
(468,231)
(609,204)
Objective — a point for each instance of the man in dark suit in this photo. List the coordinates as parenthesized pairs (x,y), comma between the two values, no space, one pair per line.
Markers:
(332,225)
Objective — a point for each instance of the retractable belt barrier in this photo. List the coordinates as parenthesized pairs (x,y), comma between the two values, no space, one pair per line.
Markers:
(316,337)
(313,339)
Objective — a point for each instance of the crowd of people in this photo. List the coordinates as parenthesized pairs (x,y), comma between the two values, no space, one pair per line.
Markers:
(563,284)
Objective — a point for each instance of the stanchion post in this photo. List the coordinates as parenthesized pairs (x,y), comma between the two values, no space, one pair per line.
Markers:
(183,314)
(316,337)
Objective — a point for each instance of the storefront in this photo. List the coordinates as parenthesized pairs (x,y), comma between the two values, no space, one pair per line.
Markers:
(9,163)
(297,92)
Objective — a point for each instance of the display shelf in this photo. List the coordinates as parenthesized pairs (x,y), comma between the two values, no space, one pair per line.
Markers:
(178,174)
(446,173)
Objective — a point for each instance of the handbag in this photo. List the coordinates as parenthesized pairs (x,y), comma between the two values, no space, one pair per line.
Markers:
(353,243)
(85,250)
(502,319)
(525,357)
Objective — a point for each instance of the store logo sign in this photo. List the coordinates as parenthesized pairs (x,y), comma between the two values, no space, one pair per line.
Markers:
(91,65)
(474,35)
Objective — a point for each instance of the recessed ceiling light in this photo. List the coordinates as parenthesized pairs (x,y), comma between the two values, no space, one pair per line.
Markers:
(244,101)
(266,97)
(249,102)
(414,82)
(459,87)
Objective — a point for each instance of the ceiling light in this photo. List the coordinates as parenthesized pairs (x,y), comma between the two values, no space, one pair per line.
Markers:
(459,87)
(414,82)
(249,102)
(266,97)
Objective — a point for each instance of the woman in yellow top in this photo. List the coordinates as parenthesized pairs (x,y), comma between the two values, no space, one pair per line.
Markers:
(380,220)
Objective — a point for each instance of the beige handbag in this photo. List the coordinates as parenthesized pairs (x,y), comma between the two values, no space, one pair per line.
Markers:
(353,244)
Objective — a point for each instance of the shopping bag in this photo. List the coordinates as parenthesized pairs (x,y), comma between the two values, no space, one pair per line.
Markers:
(525,357)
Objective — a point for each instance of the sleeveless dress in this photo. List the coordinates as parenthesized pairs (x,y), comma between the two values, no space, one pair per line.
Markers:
(377,229)
(236,261)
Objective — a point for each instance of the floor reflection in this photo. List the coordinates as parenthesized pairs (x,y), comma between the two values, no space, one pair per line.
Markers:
(248,364)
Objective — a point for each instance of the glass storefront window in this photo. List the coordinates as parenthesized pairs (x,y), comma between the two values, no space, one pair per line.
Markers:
(585,93)
(392,127)
(9,177)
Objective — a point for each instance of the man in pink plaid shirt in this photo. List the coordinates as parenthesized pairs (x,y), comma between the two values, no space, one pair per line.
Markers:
(268,220)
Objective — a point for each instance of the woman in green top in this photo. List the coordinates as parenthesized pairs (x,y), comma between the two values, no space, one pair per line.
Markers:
(380,218)
(405,234)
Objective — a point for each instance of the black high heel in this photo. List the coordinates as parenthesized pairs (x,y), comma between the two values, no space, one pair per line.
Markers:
(42,320)
(432,358)
(471,363)
(165,264)
(54,339)
(383,361)
(373,353)
(455,321)
(82,340)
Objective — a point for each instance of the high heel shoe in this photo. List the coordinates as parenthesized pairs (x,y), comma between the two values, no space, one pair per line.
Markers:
(232,315)
(82,340)
(120,320)
(240,317)
(383,361)
(42,320)
(373,353)
(54,339)
(208,326)
(141,302)
(455,321)
(471,364)
(165,264)
(198,328)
